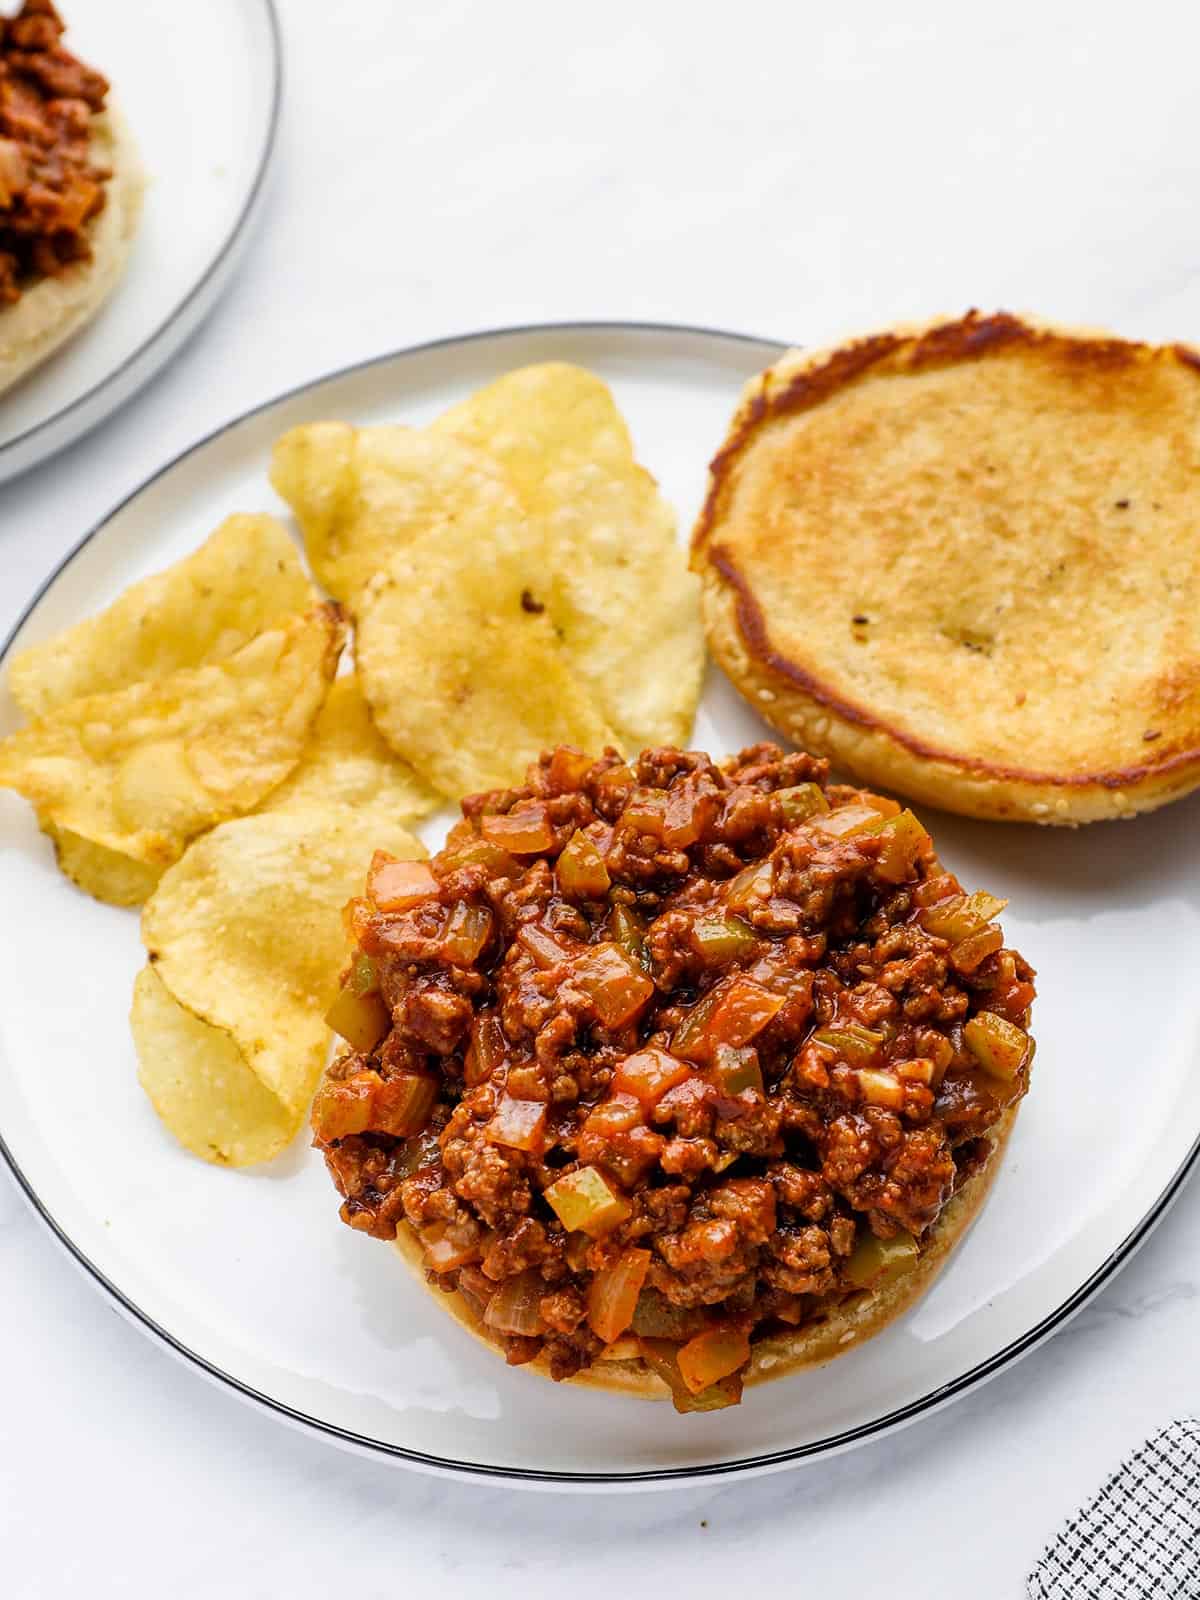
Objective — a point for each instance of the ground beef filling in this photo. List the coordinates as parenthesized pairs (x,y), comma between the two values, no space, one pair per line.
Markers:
(50,188)
(657,1058)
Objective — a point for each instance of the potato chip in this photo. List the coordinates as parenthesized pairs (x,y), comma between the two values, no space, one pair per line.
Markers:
(347,760)
(145,768)
(200,1084)
(536,415)
(627,608)
(361,494)
(105,874)
(246,577)
(461,664)
(246,934)
(625,604)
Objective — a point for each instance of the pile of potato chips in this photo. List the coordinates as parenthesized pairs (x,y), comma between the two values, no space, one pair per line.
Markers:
(514,583)
(513,574)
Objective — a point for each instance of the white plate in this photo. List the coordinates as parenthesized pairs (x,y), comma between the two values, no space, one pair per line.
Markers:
(253,1278)
(200,87)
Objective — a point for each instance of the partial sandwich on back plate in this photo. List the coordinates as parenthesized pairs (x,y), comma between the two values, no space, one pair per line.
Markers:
(960,561)
(70,190)
(670,1075)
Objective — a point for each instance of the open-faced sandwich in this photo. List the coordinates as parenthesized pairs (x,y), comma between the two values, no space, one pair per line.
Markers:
(70,190)
(672,1075)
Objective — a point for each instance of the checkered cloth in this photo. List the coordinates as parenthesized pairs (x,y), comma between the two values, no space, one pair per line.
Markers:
(1139,1538)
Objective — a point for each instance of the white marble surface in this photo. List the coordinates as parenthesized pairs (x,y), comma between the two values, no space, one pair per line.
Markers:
(794,172)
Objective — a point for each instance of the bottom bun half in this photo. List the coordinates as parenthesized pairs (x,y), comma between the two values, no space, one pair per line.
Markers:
(52,310)
(843,1328)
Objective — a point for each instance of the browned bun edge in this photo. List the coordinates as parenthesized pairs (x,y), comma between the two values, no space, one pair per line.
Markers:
(874,753)
(53,309)
(847,1325)
(814,714)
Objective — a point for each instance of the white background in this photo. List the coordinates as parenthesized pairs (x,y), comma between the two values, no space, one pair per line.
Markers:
(797,171)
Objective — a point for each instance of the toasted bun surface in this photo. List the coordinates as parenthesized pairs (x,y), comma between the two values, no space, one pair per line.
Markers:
(49,312)
(962,561)
(845,1327)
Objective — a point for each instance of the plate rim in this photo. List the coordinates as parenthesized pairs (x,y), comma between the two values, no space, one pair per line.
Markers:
(535,1477)
(20,443)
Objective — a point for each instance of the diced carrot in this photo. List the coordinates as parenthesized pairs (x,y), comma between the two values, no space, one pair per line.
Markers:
(527,832)
(613,984)
(396,885)
(519,1124)
(402,1104)
(568,768)
(744,1011)
(615,1115)
(648,1074)
(713,1355)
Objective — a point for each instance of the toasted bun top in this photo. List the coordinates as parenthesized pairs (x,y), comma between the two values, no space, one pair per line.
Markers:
(971,544)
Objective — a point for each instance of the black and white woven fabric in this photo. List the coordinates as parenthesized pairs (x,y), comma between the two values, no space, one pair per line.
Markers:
(1139,1538)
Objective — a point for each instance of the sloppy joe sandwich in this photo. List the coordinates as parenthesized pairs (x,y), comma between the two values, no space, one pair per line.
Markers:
(70,190)
(672,1075)
(960,561)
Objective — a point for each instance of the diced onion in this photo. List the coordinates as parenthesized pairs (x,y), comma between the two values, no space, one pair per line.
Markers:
(514,1308)
(880,1088)
(613,1294)
(546,948)
(467,932)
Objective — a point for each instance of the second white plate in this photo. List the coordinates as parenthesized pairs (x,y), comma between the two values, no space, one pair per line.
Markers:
(252,1278)
(200,87)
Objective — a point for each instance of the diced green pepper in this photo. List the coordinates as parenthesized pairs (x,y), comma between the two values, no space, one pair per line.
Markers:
(361,1019)
(629,931)
(874,1262)
(903,840)
(999,1046)
(364,975)
(583,1202)
(581,871)
(851,1042)
(736,1068)
(723,939)
(801,802)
